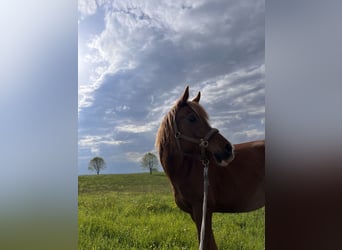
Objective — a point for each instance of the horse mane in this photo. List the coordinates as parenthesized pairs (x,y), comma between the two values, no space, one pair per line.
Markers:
(165,131)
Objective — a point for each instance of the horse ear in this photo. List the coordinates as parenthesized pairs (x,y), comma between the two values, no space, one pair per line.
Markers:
(197,98)
(185,97)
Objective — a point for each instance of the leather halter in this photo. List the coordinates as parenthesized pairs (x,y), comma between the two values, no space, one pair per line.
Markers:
(203,143)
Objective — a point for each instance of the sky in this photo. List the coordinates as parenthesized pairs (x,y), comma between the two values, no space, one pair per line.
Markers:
(135,59)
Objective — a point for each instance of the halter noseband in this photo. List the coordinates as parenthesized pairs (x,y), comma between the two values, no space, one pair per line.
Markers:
(203,143)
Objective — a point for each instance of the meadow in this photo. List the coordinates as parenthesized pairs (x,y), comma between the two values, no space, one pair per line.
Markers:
(137,211)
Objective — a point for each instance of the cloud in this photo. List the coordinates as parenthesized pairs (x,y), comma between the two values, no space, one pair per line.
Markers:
(122,108)
(94,143)
(97,140)
(142,35)
(132,128)
(134,156)
(87,7)
(136,128)
(138,64)
(252,134)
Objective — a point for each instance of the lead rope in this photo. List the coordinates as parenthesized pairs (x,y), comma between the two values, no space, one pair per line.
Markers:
(205,195)
(203,144)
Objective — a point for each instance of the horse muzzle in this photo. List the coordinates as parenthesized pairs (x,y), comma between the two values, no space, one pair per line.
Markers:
(224,157)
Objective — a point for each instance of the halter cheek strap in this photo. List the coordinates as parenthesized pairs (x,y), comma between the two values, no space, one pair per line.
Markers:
(203,143)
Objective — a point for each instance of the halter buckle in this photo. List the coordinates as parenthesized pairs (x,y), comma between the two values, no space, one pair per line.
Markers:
(205,162)
(204,143)
(177,135)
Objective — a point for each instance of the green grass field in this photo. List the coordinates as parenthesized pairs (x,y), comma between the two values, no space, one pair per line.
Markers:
(137,211)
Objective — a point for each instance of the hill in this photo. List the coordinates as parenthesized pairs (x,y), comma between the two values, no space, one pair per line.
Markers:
(137,211)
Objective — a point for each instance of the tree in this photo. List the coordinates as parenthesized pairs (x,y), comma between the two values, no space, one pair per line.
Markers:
(97,164)
(150,161)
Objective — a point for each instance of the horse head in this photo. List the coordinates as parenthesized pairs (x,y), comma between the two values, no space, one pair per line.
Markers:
(191,127)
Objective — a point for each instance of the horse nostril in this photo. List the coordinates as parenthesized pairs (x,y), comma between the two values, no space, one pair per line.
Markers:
(225,154)
(229,149)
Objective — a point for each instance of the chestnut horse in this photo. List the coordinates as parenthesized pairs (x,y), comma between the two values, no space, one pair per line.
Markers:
(236,173)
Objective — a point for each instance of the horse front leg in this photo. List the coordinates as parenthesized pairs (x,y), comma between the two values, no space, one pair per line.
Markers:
(209,241)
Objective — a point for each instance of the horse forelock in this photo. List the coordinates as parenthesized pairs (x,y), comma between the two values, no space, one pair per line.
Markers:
(199,110)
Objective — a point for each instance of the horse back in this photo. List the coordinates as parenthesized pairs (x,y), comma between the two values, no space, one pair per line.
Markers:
(240,186)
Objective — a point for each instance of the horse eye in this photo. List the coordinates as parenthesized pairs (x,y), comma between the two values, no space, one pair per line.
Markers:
(192,118)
